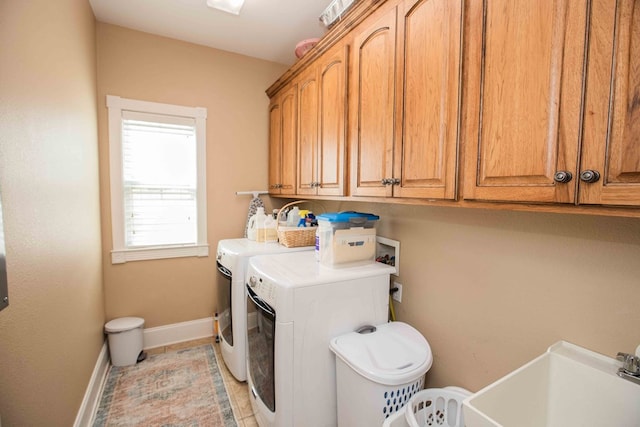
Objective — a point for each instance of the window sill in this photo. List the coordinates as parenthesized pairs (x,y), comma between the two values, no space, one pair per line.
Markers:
(120,256)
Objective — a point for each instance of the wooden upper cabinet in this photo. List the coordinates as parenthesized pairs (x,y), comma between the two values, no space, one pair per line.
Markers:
(611,138)
(429,50)
(525,63)
(525,101)
(282,141)
(405,119)
(372,105)
(307,132)
(322,124)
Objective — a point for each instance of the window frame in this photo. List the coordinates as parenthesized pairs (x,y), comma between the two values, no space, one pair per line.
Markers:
(120,253)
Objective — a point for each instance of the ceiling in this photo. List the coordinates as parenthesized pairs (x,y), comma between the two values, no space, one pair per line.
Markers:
(265,29)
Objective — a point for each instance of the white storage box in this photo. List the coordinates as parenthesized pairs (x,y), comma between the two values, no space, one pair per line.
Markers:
(378,372)
(346,239)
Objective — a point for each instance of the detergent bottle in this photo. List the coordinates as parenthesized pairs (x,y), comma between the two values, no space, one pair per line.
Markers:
(256,223)
(302,221)
(270,230)
(293,217)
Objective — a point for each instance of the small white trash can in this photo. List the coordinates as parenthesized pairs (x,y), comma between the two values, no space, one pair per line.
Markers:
(378,371)
(125,340)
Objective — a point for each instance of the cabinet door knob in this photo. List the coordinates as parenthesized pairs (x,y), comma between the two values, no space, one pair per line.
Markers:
(395,181)
(562,176)
(590,176)
(386,181)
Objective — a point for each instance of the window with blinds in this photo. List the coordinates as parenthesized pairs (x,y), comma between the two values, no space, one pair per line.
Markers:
(157,154)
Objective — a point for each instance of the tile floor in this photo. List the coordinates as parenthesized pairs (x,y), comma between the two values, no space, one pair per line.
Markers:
(238,391)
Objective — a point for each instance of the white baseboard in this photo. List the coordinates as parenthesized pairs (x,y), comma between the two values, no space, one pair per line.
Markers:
(91,399)
(178,332)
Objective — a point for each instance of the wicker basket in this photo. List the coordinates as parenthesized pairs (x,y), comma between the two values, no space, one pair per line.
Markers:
(296,237)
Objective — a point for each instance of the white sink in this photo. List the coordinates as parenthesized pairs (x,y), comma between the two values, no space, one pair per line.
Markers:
(566,386)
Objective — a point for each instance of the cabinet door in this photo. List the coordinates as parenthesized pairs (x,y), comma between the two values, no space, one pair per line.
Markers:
(275,145)
(611,139)
(525,62)
(289,122)
(371,106)
(426,146)
(332,77)
(282,142)
(307,131)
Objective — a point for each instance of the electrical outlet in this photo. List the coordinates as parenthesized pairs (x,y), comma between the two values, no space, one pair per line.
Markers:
(397,296)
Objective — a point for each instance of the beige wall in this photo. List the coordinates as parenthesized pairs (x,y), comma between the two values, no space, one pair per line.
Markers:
(491,290)
(51,333)
(137,65)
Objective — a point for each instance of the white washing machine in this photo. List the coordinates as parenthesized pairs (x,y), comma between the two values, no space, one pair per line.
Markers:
(232,259)
(301,306)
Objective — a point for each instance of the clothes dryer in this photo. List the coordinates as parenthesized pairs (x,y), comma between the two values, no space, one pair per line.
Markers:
(301,306)
(232,259)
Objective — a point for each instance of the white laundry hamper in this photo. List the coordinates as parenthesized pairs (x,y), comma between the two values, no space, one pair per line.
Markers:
(378,370)
(441,407)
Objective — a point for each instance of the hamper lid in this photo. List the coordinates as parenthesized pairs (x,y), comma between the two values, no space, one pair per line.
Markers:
(348,216)
(395,353)
(124,324)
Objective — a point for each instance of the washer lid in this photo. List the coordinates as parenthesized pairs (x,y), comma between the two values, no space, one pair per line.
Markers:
(394,354)
(246,247)
(124,324)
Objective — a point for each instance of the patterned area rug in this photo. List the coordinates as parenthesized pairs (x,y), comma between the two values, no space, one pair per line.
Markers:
(178,388)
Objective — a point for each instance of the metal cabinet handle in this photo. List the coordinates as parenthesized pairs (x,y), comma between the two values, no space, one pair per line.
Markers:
(590,176)
(390,181)
(562,177)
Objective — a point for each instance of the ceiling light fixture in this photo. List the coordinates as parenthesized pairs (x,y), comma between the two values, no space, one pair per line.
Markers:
(229,6)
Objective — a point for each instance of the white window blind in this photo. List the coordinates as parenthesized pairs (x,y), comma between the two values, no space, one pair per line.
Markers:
(159,179)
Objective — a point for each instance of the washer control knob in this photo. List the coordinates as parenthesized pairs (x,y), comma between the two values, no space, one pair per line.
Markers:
(253,281)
